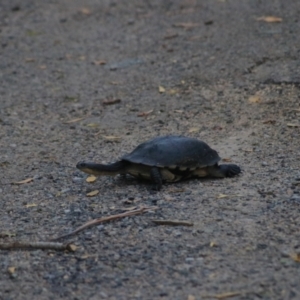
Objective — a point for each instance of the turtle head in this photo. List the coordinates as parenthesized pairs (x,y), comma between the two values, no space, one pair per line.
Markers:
(85,167)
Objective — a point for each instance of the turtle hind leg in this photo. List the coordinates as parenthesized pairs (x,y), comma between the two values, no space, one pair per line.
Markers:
(156,178)
(228,170)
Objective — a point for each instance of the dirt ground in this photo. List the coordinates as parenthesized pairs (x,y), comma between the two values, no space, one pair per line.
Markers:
(218,70)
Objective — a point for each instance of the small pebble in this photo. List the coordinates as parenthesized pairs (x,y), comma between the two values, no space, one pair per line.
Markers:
(77,179)
(295,197)
(65,190)
(189,259)
(177,233)
(103,295)
(264,164)
(100,227)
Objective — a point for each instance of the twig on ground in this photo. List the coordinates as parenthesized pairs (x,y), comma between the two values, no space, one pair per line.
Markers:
(37,245)
(106,219)
(173,222)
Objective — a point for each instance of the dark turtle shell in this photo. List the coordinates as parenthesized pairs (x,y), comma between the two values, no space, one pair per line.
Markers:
(172,152)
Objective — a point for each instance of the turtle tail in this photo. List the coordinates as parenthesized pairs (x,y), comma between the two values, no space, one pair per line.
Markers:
(113,169)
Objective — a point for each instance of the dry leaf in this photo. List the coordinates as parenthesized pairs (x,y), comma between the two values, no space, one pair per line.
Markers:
(43,67)
(85,256)
(226,159)
(23,181)
(191,297)
(226,295)
(111,138)
(93,193)
(33,33)
(168,198)
(72,247)
(269,122)
(270,19)
(111,101)
(68,56)
(99,62)
(217,127)
(4,163)
(161,89)
(6,234)
(186,25)
(196,37)
(85,11)
(127,201)
(296,257)
(221,196)
(172,92)
(130,208)
(290,192)
(254,99)
(73,120)
(92,125)
(212,244)
(91,179)
(145,113)
(29,60)
(248,150)
(177,191)
(11,270)
(31,205)
(292,125)
(82,57)
(170,36)
(71,98)
(194,129)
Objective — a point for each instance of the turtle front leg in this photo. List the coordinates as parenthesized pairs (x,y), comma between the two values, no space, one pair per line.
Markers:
(156,178)
(228,170)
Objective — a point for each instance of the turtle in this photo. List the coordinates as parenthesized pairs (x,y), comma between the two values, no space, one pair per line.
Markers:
(166,159)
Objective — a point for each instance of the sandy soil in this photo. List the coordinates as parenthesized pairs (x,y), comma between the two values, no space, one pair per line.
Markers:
(216,70)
